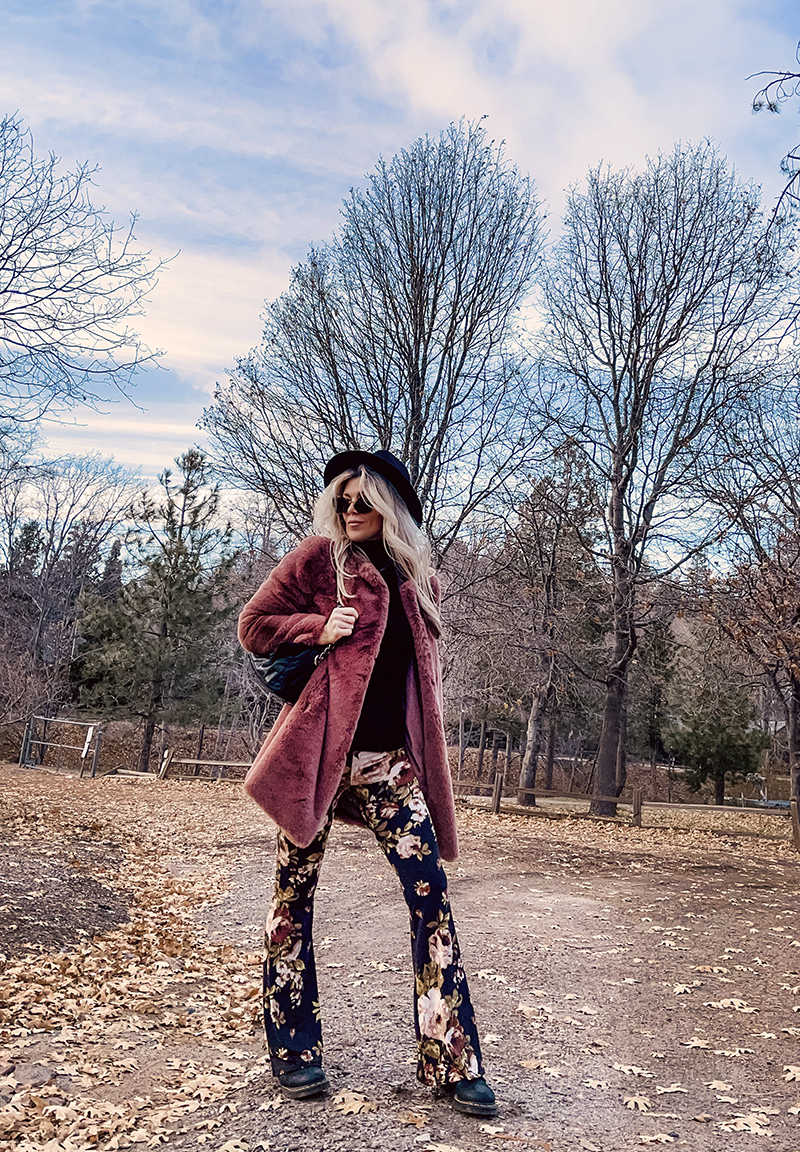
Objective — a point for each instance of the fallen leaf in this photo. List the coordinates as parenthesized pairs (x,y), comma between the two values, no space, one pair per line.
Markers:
(353,1103)
(792,1071)
(274,1103)
(695,1042)
(754,1122)
(718,1085)
(418,1119)
(637,1103)
(703,1118)
(674,1087)
(632,1070)
(659,1138)
(529,1011)
(490,974)
(738,1005)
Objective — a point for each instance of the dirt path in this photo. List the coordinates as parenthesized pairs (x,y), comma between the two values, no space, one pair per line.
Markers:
(631,986)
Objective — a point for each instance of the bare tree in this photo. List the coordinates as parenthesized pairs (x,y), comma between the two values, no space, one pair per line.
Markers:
(58,520)
(69,282)
(780,87)
(755,481)
(399,334)
(666,302)
(524,610)
(559,593)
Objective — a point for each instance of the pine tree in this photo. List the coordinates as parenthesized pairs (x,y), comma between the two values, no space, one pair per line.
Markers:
(148,652)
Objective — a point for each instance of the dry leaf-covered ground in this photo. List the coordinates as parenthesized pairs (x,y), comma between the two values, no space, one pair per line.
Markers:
(633,987)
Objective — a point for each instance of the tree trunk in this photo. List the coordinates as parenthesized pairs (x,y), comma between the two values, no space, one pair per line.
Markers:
(606,776)
(495,748)
(156,702)
(533,745)
(719,789)
(622,746)
(481,751)
(655,733)
(653,761)
(792,734)
(143,764)
(550,755)
(624,646)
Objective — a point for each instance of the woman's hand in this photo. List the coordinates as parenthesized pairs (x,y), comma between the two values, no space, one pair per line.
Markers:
(340,623)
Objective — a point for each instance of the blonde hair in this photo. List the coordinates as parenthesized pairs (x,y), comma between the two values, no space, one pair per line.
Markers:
(407,545)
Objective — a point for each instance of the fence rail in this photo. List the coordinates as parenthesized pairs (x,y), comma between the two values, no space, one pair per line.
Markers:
(169,759)
(636,802)
(34,748)
(94,736)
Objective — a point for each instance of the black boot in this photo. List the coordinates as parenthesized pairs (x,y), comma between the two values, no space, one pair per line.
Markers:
(474,1097)
(303,1082)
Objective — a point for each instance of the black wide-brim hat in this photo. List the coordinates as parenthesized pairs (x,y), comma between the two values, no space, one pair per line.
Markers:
(386,465)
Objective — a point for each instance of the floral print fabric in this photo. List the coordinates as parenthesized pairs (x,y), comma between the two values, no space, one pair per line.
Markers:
(393,806)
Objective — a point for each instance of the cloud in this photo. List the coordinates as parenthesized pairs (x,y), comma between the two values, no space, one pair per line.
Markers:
(236,127)
(206,312)
(140,440)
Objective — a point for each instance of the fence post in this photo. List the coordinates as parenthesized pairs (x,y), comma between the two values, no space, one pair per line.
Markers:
(23,752)
(166,760)
(636,818)
(795,824)
(96,753)
(497,794)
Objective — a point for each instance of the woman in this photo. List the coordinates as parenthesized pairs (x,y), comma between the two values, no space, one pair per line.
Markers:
(364,742)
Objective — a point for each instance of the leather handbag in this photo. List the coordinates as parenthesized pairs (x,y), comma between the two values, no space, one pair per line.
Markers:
(286,671)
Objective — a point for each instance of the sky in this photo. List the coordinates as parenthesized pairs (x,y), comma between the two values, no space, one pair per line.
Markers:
(233,129)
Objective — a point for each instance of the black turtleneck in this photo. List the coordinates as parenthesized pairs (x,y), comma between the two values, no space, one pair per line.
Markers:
(382,724)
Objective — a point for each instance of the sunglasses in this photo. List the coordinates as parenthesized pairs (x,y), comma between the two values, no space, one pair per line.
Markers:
(359,505)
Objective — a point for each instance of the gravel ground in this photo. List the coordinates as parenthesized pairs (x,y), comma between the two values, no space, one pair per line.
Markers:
(631,986)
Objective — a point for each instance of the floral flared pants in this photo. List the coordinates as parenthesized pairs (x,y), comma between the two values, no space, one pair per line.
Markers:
(447,1037)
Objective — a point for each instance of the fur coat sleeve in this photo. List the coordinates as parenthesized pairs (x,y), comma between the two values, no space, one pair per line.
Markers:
(295,776)
(282,611)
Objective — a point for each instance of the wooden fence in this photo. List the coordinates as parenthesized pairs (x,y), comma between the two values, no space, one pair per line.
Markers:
(218,771)
(636,803)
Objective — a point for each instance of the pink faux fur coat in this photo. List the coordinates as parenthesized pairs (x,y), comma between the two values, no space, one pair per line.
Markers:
(295,775)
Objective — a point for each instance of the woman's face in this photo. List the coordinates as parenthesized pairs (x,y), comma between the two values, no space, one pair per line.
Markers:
(360,526)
